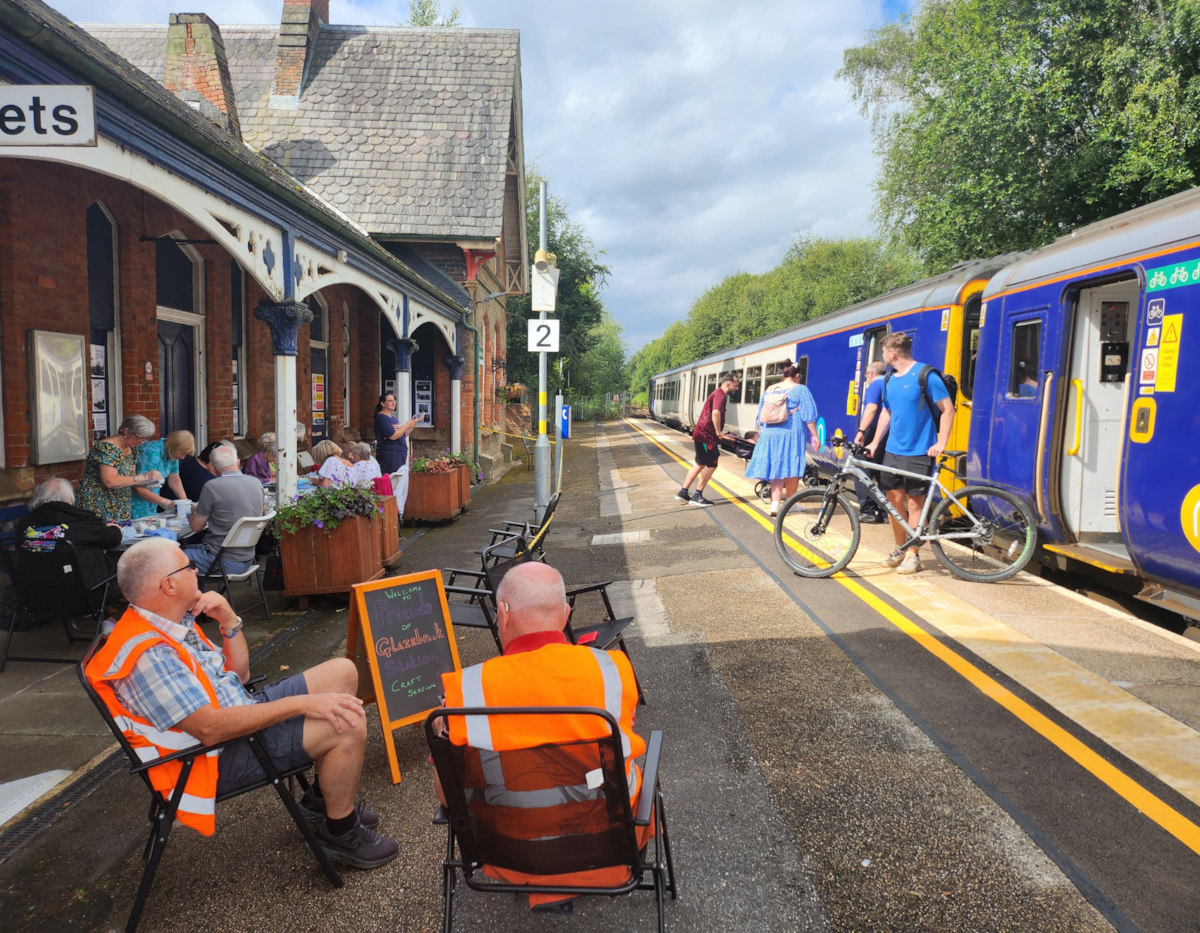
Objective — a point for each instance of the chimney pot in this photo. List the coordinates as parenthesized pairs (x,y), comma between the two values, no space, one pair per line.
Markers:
(197,69)
(298,28)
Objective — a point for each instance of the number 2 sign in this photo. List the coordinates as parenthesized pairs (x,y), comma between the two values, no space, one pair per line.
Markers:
(543,336)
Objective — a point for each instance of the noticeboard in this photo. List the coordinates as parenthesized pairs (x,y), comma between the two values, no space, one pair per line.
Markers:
(399,628)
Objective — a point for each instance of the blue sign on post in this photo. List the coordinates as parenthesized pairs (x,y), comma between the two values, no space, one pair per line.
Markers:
(564,418)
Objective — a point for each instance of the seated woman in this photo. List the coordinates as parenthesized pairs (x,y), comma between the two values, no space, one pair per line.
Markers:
(162,455)
(53,516)
(259,466)
(110,471)
(364,467)
(195,471)
(334,468)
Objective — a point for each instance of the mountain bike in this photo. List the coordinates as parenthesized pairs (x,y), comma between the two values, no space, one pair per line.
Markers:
(980,533)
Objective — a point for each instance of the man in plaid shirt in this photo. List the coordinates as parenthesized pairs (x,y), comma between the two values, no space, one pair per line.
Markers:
(314,716)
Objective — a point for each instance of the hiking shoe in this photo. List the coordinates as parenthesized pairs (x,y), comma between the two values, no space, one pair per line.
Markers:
(313,809)
(911,563)
(697,499)
(361,846)
(682,495)
(895,559)
(872,518)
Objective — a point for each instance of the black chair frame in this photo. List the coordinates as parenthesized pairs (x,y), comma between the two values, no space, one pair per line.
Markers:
(455,816)
(517,529)
(217,570)
(163,809)
(95,607)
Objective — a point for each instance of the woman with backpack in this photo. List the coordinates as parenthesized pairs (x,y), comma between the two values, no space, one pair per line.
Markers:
(788,417)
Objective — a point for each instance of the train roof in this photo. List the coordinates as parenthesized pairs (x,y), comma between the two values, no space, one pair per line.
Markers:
(935,292)
(1172,220)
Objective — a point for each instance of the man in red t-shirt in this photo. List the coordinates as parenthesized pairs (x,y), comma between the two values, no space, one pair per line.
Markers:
(708,430)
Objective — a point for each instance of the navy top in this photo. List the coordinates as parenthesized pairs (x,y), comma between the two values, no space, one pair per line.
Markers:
(193,476)
(385,427)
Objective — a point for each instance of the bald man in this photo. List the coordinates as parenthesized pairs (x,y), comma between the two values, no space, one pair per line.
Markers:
(165,678)
(540,667)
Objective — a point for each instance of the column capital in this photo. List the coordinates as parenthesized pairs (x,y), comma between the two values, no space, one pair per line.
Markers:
(456,364)
(285,318)
(403,348)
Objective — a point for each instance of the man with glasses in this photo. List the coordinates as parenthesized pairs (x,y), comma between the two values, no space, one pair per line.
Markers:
(169,687)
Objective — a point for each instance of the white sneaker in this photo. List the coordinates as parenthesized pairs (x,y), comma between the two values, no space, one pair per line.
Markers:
(774,509)
(893,560)
(911,563)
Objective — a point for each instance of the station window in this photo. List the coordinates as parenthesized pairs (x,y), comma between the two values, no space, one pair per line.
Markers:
(753,385)
(1026,345)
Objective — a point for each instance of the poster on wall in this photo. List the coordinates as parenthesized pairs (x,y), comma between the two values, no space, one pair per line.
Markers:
(318,398)
(423,401)
(57,373)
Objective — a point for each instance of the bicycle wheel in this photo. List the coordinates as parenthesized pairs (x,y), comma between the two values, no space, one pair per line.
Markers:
(816,536)
(996,548)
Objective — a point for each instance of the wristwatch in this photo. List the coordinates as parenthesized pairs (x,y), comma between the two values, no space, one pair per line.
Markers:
(232,633)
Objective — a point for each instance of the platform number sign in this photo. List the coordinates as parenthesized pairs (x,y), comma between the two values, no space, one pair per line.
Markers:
(543,336)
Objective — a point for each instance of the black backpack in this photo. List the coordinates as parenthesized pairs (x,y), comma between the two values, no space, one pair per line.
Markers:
(949,382)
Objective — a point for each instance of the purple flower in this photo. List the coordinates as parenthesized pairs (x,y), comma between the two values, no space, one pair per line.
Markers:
(319,523)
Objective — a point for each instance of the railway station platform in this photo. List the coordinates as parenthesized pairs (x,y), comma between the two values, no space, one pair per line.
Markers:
(869,752)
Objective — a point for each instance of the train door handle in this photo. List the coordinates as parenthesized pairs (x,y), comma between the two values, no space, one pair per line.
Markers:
(1077,385)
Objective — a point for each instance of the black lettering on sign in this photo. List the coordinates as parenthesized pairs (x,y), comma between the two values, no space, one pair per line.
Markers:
(37,108)
(12,120)
(63,114)
(543,338)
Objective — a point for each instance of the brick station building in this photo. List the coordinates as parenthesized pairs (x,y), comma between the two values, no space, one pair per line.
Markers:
(242,180)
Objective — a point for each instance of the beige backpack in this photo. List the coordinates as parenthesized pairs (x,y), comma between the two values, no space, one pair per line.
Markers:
(775,407)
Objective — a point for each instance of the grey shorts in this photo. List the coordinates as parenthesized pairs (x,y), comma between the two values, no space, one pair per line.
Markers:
(913,487)
(240,768)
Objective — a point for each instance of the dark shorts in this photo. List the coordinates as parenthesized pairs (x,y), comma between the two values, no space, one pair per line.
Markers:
(239,767)
(912,487)
(707,454)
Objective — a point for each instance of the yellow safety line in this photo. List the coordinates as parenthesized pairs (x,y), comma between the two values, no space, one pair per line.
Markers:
(1139,797)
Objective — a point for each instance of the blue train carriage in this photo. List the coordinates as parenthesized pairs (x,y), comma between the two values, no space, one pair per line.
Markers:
(1080,403)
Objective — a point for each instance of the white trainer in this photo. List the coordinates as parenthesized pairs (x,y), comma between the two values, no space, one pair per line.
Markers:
(911,563)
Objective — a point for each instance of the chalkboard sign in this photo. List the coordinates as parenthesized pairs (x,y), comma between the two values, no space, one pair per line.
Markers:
(401,627)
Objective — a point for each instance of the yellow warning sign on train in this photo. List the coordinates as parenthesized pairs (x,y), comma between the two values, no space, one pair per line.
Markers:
(1168,353)
(852,399)
(1189,517)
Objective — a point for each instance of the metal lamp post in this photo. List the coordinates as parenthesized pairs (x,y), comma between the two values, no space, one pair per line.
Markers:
(544,295)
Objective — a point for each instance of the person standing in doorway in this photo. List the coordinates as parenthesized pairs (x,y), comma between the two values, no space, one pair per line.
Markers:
(868,510)
(914,439)
(707,436)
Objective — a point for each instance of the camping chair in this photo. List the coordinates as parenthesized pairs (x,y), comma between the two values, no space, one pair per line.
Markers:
(162,808)
(479,610)
(526,530)
(66,603)
(244,533)
(612,843)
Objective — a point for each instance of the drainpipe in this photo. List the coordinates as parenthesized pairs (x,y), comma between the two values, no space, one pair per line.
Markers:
(475,332)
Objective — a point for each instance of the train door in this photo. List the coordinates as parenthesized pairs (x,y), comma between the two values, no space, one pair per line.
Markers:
(1093,440)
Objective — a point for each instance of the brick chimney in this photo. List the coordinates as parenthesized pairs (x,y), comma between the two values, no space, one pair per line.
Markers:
(297,36)
(197,70)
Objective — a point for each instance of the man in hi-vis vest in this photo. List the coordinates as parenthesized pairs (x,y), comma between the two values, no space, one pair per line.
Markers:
(516,795)
(169,688)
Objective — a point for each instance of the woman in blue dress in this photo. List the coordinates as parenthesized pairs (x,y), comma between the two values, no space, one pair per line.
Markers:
(779,452)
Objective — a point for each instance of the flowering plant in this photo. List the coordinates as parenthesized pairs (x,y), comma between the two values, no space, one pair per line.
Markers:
(326,508)
(441,464)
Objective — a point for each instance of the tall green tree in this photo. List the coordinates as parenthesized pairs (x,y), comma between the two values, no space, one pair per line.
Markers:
(429,13)
(601,370)
(1003,124)
(581,277)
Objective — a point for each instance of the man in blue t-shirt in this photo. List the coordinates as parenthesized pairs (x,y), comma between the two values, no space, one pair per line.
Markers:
(914,439)
(872,404)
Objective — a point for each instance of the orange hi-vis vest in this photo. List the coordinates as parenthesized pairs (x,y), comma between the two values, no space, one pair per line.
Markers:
(530,803)
(133,636)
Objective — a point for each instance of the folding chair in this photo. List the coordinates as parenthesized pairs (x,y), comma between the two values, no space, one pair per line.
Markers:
(163,809)
(516,529)
(244,533)
(305,461)
(610,839)
(66,603)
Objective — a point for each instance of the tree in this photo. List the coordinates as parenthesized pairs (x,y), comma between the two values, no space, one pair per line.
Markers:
(601,370)
(429,13)
(816,277)
(1003,124)
(581,277)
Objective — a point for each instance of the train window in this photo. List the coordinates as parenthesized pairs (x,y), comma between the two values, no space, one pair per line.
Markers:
(712,384)
(802,370)
(753,385)
(873,340)
(1026,346)
(970,345)
(775,373)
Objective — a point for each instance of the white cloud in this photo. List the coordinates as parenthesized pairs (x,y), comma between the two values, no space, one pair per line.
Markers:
(694,139)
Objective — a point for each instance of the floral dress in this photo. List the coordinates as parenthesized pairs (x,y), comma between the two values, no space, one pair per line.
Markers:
(151,456)
(112,505)
(779,452)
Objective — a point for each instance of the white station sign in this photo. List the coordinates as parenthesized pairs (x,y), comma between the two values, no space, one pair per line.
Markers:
(545,289)
(47,115)
(543,336)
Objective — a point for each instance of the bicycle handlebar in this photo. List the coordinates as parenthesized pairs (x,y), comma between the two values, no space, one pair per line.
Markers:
(859,450)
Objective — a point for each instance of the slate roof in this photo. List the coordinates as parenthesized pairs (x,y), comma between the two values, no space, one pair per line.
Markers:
(405,130)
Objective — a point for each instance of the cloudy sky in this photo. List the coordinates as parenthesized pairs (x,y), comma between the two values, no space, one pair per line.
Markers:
(693,139)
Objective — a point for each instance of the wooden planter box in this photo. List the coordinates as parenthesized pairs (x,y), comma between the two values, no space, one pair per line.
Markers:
(464,489)
(318,561)
(433,496)
(389,531)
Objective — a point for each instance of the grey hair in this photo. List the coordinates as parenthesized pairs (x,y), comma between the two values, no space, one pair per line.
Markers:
(55,489)
(223,457)
(362,450)
(142,567)
(877,368)
(137,426)
(267,441)
(533,596)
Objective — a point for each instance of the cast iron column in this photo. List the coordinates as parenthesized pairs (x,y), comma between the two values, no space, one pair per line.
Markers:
(285,318)
(455,364)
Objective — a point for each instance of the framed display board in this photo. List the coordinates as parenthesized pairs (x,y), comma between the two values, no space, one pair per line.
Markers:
(59,383)
(399,628)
